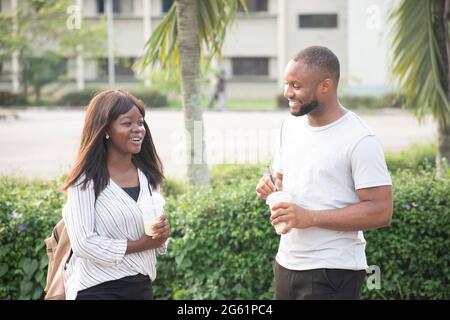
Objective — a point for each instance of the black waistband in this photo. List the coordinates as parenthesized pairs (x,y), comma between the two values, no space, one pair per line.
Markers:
(136,278)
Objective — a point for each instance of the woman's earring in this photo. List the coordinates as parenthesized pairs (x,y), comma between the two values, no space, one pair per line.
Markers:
(107,136)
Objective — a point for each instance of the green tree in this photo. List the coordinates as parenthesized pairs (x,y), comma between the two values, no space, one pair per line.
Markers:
(41,30)
(40,71)
(176,44)
(421,57)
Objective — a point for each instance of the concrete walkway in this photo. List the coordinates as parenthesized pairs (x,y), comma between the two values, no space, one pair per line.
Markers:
(43,143)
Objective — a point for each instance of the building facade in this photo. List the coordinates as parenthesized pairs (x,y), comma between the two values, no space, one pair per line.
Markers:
(257,46)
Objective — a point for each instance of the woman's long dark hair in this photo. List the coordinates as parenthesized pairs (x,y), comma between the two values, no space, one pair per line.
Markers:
(91,160)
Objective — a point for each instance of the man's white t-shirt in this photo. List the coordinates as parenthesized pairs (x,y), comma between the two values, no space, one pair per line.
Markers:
(322,168)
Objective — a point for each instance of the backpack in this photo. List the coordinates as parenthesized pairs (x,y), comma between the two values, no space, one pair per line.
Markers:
(59,252)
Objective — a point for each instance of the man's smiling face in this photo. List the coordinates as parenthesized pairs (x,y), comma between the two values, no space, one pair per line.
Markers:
(300,88)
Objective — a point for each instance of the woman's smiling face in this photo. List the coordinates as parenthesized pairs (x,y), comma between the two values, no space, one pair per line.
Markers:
(127,132)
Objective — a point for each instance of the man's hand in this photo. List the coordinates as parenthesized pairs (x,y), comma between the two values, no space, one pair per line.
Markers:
(266,185)
(293,215)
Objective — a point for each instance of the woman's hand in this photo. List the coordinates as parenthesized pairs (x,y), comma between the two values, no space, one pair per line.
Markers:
(161,231)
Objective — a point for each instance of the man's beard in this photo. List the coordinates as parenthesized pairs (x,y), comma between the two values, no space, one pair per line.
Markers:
(306,108)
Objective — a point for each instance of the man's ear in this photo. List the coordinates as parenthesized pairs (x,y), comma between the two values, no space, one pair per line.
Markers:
(326,85)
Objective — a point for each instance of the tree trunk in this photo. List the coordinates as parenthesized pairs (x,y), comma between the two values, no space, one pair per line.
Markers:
(446,30)
(441,11)
(189,57)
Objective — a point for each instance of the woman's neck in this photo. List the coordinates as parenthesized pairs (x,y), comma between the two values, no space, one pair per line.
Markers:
(120,162)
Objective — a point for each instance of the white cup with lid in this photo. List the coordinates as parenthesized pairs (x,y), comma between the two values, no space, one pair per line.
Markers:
(151,212)
(277,197)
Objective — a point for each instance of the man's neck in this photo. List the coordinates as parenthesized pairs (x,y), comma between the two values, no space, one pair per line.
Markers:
(326,114)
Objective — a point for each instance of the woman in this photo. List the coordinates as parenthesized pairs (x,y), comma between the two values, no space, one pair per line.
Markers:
(117,173)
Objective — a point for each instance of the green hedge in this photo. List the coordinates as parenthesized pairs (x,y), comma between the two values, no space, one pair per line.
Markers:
(356,102)
(416,158)
(8,99)
(222,243)
(222,246)
(28,213)
(234,175)
(77,98)
(413,252)
(371,102)
(151,98)
(173,188)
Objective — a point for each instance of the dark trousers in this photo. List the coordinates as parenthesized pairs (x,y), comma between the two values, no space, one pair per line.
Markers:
(318,284)
(138,287)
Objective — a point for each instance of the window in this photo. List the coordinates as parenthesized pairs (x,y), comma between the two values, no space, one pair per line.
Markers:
(5,74)
(166,4)
(101,6)
(254,6)
(306,21)
(250,66)
(119,6)
(122,68)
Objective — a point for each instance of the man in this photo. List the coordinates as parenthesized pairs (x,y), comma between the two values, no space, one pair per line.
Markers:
(333,166)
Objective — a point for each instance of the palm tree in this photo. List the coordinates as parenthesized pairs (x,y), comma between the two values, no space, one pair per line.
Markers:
(421,58)
(189,26)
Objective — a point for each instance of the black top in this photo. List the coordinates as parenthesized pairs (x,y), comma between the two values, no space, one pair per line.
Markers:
(133,192)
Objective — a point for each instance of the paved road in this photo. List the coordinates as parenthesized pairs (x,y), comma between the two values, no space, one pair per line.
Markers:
(43,143)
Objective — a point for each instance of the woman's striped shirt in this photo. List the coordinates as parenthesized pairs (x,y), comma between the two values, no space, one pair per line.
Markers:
(99,231)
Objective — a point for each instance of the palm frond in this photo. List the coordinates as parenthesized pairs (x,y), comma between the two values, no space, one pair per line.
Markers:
(417,61)
(161,50)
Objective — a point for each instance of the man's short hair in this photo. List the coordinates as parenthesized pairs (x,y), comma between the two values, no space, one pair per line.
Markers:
(320,59)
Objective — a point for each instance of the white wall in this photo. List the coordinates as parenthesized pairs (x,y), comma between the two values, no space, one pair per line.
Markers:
(89,8)
(335,39)
(252,37)
(156,8)
(360,41)
(6,5)
(128,37)
(272,6)
(368,46)
(251,90)
(90,69)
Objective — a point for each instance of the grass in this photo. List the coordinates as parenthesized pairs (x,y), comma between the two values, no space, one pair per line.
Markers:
(235,104)
(353,103)
(250,105)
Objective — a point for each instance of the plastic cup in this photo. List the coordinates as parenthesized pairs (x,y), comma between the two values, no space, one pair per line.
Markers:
(277,197)
(151,213)
(151,216)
